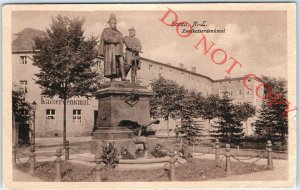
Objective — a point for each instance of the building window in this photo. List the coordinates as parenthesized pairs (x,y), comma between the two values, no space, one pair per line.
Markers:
(228,92)
(50,113)
(77,116)
(220,93)
(24,59)
(239,92)
(23,85)
(225,92)
(150,67)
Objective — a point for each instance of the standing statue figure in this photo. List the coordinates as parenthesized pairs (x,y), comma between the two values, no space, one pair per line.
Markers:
(133,48)
(111,48)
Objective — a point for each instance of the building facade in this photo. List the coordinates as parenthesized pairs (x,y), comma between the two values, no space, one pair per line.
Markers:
(82,112)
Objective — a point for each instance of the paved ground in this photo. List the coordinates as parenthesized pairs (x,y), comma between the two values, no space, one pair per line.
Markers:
(21,176)
(279,173)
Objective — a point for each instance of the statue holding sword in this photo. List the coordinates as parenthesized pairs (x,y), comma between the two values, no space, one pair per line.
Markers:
(132,58)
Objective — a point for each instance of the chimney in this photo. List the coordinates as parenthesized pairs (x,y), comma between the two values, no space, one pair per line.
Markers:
(194,69)
(181,65)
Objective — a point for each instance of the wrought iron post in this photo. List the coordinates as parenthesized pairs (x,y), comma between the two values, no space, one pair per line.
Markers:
(217,152)
(58,160)
(98,167)
(228,161)
(172,162)
(34,105)
(32,160)
(270,156)
(67,149)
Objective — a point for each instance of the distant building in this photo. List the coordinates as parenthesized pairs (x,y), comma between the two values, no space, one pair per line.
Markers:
(82,112)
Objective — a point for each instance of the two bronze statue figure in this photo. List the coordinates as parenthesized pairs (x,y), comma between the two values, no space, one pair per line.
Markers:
(116,63)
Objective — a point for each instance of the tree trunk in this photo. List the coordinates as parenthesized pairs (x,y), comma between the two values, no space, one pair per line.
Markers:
(168,128)
(65,122)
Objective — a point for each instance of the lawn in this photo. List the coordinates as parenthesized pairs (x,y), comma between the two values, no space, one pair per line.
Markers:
(193,170)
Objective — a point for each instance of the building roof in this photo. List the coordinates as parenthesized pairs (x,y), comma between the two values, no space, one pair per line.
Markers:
(229,79)
(24,41)
(181,69)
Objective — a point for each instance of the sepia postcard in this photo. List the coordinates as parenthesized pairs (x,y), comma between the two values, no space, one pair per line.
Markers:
(156,96)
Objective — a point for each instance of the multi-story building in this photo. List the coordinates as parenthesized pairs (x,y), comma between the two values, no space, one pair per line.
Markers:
(82,112)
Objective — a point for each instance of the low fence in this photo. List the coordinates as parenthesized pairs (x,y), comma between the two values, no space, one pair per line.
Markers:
(267,153)
(170,165)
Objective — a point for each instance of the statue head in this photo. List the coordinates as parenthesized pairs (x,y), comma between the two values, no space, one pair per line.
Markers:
(132,32)
(112,21)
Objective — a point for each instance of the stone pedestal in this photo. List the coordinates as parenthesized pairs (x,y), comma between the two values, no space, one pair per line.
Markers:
(119,101)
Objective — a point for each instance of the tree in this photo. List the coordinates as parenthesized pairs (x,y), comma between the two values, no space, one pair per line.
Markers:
(191,129)
(65,59)
(167,101)
(192,107)
(270,123)
(245,111)
(211,109)
(22,114)
(228,127)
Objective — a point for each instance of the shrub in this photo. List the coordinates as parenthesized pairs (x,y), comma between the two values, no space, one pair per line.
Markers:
(157,152)
(125,154)
(139,153)
(110,155)
(185,152)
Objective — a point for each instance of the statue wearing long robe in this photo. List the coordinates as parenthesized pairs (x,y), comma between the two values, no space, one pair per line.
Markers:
(111,47)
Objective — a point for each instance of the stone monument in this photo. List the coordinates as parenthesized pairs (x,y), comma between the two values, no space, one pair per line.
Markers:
(118,100)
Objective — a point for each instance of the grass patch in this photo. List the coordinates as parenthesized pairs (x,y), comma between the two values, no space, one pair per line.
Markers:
(241,152)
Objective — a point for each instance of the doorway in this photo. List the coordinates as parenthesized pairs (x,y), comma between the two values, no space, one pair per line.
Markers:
(95,120)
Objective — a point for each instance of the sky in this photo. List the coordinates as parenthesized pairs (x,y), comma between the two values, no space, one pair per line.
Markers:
(256,39)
